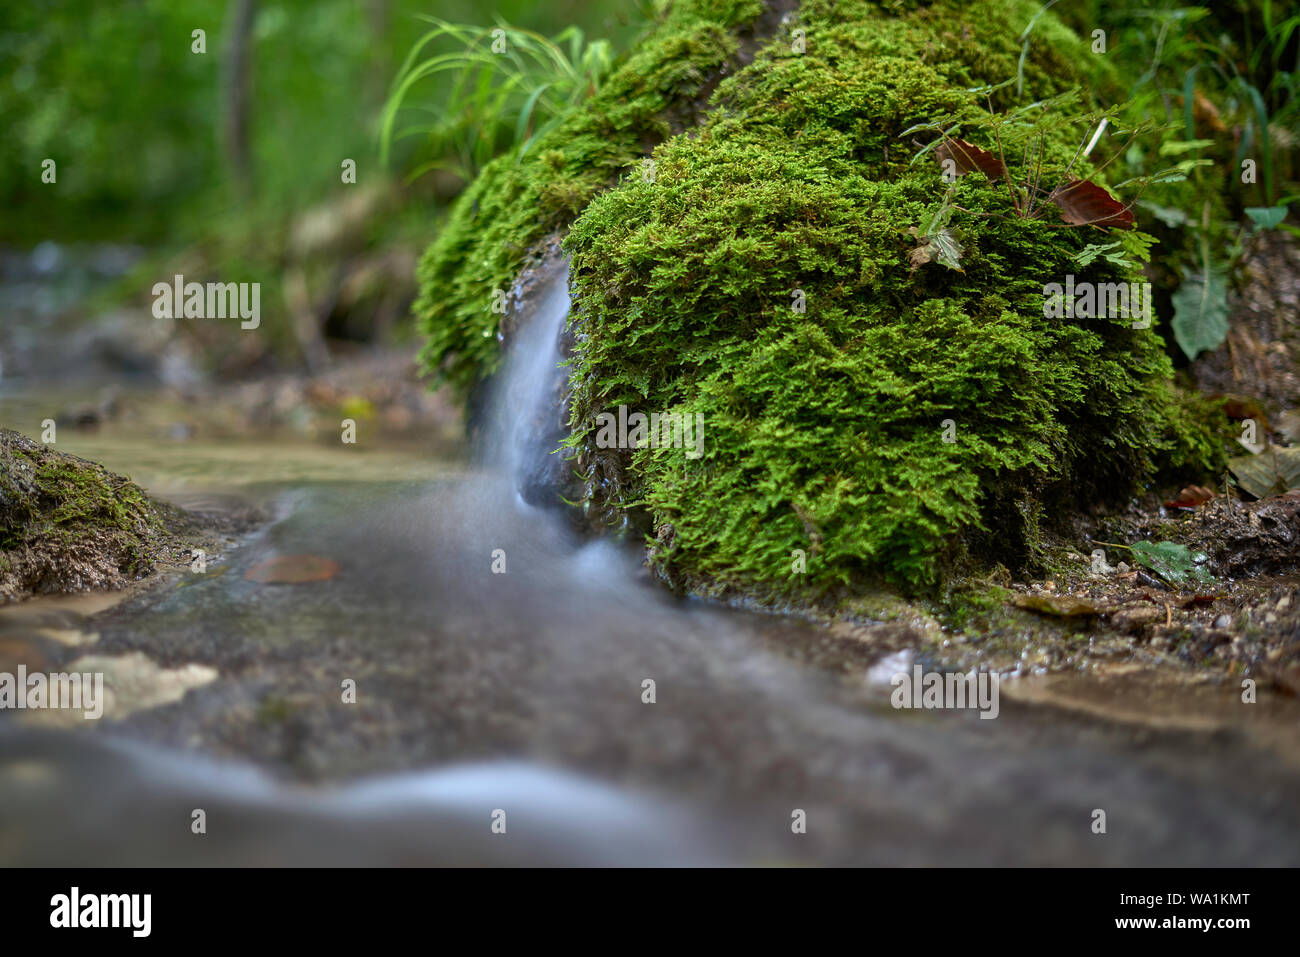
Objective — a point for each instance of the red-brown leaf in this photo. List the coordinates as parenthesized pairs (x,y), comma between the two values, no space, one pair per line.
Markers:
(1084,203)
(1191,497)
(1244,407)
(292,570)
(968,157)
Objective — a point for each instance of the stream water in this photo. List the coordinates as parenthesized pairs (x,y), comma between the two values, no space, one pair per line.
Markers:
(517,695)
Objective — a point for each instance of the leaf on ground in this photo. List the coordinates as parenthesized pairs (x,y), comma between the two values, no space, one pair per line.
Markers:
(968,157)
(941,247)
(1191,497)
(1201,312)
(292,570)
(1171,561)
(1272,472)
(1083,203)
(1059,607)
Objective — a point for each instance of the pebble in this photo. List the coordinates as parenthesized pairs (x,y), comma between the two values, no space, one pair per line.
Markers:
(1223,621)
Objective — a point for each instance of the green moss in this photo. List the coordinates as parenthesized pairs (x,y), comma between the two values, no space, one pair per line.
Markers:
(1205,436)
(825,430)
(979,608)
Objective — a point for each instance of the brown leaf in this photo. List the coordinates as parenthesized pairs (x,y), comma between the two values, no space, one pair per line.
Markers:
(1243,407)
(1084,203)
(1191,497)
(292,570)
(968,157)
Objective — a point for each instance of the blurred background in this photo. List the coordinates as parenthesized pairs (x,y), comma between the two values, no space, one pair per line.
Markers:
(220,156)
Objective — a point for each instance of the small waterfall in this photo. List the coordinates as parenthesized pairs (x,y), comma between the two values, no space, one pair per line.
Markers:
(525,422)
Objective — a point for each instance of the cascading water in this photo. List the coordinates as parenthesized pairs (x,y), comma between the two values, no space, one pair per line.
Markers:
(520,465)
(525,418)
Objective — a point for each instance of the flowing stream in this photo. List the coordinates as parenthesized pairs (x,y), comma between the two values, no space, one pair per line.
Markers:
(501,664)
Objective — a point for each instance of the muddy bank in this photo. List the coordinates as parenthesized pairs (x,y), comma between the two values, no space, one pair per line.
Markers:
(1095,607)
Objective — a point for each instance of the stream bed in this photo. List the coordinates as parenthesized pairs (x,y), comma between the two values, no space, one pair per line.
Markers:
(523,692)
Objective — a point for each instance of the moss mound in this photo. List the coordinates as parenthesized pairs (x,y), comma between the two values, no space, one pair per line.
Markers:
(68,525)
(905,422)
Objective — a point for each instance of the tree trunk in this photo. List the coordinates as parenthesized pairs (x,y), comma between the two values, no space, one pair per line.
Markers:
(238,82)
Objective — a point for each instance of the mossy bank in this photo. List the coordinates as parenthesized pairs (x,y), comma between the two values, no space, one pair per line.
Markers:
(864,420)
(69,525)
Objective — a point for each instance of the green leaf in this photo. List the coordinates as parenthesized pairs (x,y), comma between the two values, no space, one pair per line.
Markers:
(1179,171)
(1168,215)
(937,243)
(1266,217)
(1201,312)
(526,113)
(1112,252)
(1174,147)
(941,247)
(1171,561)
(948,250)
(932,221)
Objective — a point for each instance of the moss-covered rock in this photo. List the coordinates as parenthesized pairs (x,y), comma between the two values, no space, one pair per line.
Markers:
(879,420)
(68,525)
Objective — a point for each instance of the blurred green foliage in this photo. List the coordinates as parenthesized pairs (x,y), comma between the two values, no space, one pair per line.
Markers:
(1223,80)
(133,118)
(510,86)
